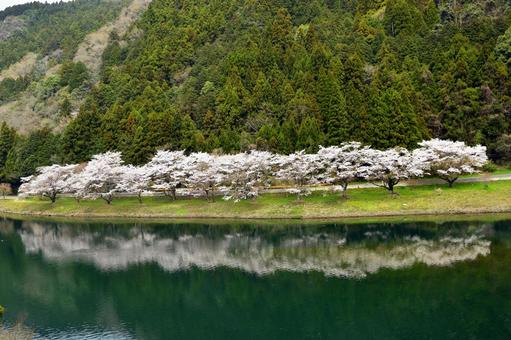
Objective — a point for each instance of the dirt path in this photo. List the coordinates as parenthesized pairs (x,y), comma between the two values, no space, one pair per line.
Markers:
(412,182)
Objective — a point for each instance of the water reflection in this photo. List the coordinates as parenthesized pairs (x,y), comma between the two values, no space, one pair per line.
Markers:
(273,281)
(334,250)
(88,333)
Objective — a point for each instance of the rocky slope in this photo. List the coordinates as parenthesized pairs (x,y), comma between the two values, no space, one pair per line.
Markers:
(40,104)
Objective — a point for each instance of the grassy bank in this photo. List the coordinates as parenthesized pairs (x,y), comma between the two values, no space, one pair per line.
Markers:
(464,198)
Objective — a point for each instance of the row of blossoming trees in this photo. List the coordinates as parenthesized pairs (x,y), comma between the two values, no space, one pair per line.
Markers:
(242,176)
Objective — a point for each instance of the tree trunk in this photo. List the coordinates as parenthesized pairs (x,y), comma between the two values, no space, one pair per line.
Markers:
(344,189)
(171,194)
(108,198)
(52,196)
(139,196)
(210,194)
(451,181)
(390,187)
(390,184)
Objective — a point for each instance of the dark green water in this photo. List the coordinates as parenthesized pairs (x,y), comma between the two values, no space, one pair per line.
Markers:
(199,281)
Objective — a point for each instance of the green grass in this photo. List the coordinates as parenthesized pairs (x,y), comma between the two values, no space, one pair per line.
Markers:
(501,171)
(464,198)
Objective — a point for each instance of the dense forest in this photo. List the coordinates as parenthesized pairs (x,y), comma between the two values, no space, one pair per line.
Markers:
(283,75)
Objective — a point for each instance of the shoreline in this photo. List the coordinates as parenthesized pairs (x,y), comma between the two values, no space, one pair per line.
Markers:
(443,217)
(263,222)
(483,199)
(383,215)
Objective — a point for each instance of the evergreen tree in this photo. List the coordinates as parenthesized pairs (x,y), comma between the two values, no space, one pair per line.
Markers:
(39,148)
(402,16)
(7,140)
(309,135)
(230,100)
(392,121)
(81,138)
(73,74)
(332,104)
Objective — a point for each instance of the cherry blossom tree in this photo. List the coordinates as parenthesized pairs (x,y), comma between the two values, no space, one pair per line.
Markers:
(75,183)
(134,181)
(206,173)
(167,171)
(101,177)
(299,168)
(240,176)
(245,173)
(393,165)
(49,181)
(344,164)
(449,160)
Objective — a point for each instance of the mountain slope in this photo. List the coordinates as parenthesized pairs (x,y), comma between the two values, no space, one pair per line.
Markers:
(31,94)
(228,75)
(287,75)
(90,51)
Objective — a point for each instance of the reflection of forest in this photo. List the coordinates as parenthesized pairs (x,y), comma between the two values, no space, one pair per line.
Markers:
(328,252)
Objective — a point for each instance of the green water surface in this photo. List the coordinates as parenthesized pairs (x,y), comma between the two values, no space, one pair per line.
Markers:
(104,280)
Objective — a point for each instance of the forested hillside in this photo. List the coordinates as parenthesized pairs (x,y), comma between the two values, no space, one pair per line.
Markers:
(287,75)
(35,41)
(282,75)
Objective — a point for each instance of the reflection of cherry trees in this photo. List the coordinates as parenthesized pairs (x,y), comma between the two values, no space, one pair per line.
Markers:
(328,253)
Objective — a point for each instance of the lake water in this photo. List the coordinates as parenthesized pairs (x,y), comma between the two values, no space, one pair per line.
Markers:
(421,280)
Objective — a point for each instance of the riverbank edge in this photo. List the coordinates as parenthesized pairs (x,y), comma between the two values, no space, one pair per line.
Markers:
(481,212)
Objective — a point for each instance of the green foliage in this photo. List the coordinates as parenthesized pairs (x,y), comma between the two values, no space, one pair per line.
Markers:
(65,107)
(10,88)
(73,74)
(489,167)
(332,104)
(283,76)
(80,139)
(7,140)
(503,47)
(503,148)
(47,87)
(27,153)
(401,16)
(19,9)
(309,135)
